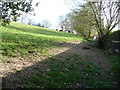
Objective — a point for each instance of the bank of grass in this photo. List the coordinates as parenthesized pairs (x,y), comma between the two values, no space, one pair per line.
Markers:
(20,39)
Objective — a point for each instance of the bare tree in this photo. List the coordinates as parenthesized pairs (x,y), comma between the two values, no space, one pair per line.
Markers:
(61,22)
(30,22)
(106,15)
(46,23)
(23,17)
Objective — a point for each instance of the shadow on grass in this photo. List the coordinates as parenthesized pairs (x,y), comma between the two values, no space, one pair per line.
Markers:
(68,69)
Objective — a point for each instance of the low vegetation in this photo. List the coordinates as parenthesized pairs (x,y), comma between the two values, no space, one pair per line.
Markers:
(21,39)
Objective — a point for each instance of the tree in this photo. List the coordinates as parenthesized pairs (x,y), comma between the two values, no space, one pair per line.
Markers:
(106,16)
(30,21)
(83,22)
(64,22)
(46,23)
(61,22)
(39,25)
(80,20)
(23,17)
(105,11)
(12,10)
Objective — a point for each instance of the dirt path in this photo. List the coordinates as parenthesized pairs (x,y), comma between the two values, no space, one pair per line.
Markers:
(92,55)
(9,69)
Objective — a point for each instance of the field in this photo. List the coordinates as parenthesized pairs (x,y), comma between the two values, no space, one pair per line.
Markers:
(35,57)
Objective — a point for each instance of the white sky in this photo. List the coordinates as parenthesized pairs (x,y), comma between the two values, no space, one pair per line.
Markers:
(50,10)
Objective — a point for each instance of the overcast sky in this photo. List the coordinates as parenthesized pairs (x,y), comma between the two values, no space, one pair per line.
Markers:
(50,10)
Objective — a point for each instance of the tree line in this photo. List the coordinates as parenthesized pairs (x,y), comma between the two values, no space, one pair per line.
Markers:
(93,18)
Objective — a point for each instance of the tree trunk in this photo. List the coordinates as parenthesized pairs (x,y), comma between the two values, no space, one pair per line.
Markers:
(89,34)
(103,42)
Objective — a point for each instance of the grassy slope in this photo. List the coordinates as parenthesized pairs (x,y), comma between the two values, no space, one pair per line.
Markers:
(21,39)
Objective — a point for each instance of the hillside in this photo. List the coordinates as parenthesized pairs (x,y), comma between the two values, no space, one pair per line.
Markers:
(20,39)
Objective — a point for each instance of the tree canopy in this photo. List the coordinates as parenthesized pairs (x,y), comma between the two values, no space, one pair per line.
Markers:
(12,10)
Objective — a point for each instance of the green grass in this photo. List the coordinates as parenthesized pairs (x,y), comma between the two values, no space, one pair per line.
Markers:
(115,69)
(114,72)
(20,39)
(66,74)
